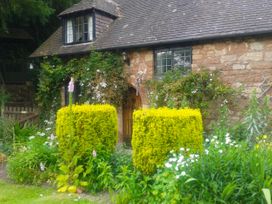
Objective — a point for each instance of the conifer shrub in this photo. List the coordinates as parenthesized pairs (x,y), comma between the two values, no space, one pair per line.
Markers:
(156,132)
(82,129)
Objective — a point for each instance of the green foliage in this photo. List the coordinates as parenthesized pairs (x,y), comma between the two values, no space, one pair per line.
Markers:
(12,133)
(99,76)
(52,77)
(226,172)
(157,132)
(83,131)
(33,162)
(201,90)
(257,118)
(29,12)
(4,97)
(93,127)
(6,135)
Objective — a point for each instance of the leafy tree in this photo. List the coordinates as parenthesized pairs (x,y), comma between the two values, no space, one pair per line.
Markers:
(39,17)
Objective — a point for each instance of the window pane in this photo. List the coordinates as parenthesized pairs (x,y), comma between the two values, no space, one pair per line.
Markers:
(79,29)
(69,31)
(90,27)
(178,58)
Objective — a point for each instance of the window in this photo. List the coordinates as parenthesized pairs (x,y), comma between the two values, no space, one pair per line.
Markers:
(174,58)
(79,29)
(69,31)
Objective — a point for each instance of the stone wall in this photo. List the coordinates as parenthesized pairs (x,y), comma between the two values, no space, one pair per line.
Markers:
(243,62)
(141,64)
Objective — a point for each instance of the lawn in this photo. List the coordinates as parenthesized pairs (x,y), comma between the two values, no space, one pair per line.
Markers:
(21,194)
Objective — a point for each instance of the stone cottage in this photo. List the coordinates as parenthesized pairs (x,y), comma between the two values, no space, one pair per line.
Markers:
(231,36)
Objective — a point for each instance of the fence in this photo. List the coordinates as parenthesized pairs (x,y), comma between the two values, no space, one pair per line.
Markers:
(21,114)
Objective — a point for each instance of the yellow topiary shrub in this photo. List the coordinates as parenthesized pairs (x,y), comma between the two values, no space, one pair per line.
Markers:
(158,131)
(82,129)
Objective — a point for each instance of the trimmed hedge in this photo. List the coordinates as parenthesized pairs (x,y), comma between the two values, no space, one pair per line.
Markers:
(81,129)
(158,131)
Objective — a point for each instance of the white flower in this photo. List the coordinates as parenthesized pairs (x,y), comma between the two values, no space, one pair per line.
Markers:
(228,140)
(206,151)
(207,140)
(180,159)
(103,84)
(183,173)
(173,159)
(220,151)
(94,154)
(47,129)
(182,149)
(41,134)
(168,165)
(194,91)
(31,137)
(52,137)
(42,166)
(177,177)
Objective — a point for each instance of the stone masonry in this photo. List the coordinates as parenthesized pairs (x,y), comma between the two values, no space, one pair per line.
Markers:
(243,62)
(141,64)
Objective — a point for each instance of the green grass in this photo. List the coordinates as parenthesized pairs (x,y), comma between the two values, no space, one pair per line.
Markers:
(21,194)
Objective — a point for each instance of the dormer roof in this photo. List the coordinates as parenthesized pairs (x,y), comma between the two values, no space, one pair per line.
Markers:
(107,6)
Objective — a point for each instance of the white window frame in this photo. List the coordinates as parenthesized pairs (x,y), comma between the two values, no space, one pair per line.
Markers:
(81,27)
(69,31)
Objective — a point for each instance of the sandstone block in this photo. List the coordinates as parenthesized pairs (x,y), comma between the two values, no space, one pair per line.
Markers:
(252,56)
(268,56)
(239,66)
(228,58)
(256,46)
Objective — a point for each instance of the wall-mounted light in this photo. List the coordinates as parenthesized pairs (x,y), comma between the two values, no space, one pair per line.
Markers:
(31,66)
(126,58)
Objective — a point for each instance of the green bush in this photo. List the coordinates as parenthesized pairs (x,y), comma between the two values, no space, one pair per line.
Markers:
(87,136)
(89,127)
(158,131)
(12,133)
(33,162)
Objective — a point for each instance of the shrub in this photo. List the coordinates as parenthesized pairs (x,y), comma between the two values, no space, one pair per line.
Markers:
(226,172)
(87,135)
(32,162)
(93,127)
(12,133)
(158,131)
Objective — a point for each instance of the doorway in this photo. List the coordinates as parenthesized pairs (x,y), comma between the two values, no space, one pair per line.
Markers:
(132,102)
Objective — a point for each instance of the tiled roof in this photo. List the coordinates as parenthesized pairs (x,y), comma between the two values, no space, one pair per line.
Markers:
(108,6)
(150,22)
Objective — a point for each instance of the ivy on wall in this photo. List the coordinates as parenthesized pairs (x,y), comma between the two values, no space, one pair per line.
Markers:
(99,76)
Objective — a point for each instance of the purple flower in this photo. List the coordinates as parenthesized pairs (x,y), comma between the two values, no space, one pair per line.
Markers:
(71,85)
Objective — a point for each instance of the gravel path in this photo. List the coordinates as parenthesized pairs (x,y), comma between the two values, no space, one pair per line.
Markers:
(3,174)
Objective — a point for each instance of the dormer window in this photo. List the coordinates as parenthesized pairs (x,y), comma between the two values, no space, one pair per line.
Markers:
(79,29)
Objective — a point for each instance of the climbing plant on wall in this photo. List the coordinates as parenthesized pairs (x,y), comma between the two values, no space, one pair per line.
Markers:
(99,76)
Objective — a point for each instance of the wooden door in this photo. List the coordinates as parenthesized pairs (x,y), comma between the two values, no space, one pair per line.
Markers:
(131,103)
